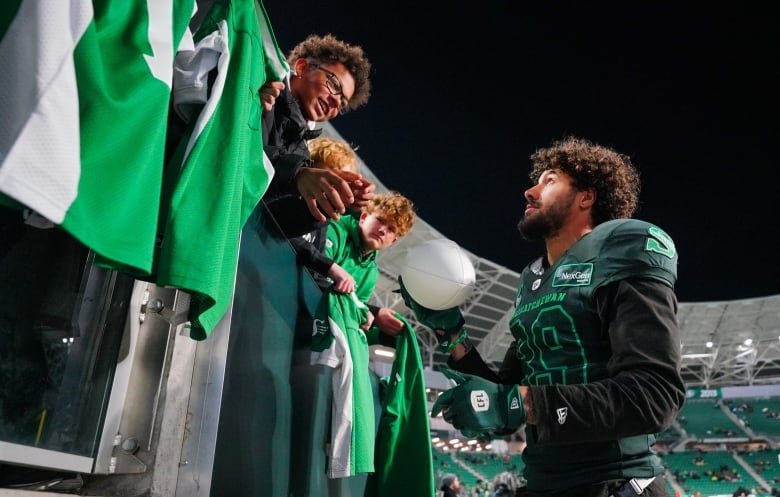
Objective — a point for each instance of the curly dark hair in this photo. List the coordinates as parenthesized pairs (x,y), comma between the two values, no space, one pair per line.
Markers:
(609,173)
(329,49)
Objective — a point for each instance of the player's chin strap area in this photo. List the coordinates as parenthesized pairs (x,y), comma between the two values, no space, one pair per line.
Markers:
(633,487)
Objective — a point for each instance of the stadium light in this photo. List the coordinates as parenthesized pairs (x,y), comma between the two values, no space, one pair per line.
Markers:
(696,356)
(384,353)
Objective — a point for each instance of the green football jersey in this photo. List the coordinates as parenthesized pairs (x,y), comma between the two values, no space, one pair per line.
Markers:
(343,246)
(561,340)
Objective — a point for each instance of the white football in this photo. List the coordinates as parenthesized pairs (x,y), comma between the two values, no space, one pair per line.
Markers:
(438,274)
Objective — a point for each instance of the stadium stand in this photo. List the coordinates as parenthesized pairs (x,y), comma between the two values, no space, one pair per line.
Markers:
(476,470)
(714,472)
(761,416)
(443,462)
(707,419)
(766,463)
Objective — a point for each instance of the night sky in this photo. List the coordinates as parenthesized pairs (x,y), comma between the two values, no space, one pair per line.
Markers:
(463,94)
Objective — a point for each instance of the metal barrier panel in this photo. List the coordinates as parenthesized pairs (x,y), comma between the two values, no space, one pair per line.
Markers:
(61,321)
(275,418)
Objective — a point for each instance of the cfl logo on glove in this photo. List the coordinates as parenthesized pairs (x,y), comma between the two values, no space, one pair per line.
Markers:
(480,401)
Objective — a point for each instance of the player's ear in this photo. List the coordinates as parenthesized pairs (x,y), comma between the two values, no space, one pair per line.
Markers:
(588,198)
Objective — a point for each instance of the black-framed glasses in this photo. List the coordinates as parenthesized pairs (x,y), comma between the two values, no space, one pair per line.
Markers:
(334,86)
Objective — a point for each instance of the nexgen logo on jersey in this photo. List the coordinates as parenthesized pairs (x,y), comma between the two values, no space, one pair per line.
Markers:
(573,275)
(480,401)
(562,413)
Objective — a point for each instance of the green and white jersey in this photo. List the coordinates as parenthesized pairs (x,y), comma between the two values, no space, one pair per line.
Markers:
(338,342)
(85,110)
(595,374)
(343,246)
(85,120)
(218,173)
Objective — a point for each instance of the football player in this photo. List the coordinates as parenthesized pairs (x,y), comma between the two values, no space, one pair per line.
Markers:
(594,369)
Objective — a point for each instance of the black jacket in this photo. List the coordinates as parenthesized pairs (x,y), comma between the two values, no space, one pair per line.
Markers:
(285,132)
(448,492)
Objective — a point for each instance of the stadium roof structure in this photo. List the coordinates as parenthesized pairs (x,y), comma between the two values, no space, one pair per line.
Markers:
(725,343)
(731,343)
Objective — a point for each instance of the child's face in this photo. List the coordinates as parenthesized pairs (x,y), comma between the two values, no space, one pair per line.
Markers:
(312,92)
(375,233)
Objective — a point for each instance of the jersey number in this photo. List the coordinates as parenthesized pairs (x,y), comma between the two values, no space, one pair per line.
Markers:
(553,340)
(660,243)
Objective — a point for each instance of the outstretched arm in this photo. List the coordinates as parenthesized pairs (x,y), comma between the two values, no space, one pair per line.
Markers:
(343,282)
(643,390)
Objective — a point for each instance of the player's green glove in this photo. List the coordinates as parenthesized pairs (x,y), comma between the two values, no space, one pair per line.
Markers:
(450,320)
(477,405)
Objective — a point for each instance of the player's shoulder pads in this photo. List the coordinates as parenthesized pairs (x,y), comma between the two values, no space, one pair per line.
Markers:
(628,248)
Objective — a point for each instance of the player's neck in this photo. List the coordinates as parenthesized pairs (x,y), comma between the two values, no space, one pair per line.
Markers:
(567,236)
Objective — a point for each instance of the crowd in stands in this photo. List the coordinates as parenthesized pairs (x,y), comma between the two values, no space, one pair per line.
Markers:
(494,469)
(747,408)
(724,473)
